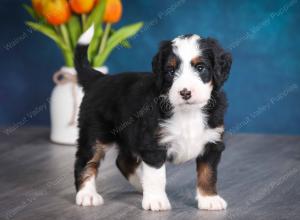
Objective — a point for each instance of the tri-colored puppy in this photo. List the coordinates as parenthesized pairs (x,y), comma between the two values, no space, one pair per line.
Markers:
(173,114)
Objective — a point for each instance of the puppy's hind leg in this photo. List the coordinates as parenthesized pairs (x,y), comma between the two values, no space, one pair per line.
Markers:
(130,167)
(86,167)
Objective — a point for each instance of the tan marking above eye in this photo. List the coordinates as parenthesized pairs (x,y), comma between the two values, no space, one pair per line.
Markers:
(196,60)
(172,62)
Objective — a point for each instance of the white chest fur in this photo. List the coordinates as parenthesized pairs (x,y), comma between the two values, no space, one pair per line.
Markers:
(186,134)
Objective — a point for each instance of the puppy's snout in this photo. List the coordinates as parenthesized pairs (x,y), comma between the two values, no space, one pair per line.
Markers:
(185,94)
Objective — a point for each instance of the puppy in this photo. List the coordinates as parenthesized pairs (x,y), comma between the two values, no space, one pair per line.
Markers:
(175,113)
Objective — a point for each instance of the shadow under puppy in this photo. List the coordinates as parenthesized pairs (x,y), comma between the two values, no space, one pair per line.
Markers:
(175,113)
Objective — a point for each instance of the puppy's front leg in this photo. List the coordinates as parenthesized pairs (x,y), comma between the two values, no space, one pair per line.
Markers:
(154,184)
(207,178)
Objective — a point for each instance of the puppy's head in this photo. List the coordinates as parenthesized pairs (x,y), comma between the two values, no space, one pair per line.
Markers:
(189,68)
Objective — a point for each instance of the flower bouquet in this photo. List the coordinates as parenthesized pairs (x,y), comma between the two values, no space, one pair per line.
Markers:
(64,21)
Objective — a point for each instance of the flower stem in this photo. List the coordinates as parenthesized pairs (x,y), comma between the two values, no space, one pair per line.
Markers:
(57,29)
(83,20)
(68,56)
(65,35)
(104,38)
(67,53)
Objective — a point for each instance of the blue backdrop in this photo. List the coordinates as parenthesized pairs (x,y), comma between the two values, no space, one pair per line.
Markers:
(263,37)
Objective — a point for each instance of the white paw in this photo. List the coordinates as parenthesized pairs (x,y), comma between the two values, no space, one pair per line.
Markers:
(157,202)
(211,202)
(88,198)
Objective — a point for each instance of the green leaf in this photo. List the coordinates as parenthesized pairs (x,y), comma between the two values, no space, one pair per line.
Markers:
(119,36)
(97,14)
(94,45)
(124,43)
(49,32)
(52,34)
(74,28)
(30,11)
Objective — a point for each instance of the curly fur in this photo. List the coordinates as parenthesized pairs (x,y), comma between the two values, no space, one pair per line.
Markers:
(129,109)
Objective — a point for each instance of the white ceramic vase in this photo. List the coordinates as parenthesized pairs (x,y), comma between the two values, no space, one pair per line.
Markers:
(64,107)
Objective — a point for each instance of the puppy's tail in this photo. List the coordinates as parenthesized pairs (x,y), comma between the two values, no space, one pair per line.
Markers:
(86,74)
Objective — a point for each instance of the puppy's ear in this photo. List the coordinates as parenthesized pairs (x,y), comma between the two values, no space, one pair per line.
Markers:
(221,62)
(158,62)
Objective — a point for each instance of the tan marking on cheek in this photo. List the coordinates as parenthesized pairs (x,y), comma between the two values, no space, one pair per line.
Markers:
(206,184)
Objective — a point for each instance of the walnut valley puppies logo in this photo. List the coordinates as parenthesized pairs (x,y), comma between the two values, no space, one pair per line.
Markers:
(261,194)
(27,117)
(34,195)
(262,24)
(168,11)
(164,105)
(17,40)
(262,109)
(211,103)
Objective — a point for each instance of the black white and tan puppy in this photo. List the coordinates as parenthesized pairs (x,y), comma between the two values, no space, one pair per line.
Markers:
(175,113)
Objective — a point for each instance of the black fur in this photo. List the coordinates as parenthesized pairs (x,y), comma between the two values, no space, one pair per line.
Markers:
(126,108)
(220,60)
(82,66)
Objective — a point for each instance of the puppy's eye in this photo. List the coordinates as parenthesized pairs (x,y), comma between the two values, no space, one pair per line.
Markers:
(200,67)
(170,71)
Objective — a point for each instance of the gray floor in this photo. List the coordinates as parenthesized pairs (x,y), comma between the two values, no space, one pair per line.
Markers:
(259,176)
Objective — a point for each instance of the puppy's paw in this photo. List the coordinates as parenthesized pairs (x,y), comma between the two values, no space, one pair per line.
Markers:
(211,202)
(157,202)
(88,198)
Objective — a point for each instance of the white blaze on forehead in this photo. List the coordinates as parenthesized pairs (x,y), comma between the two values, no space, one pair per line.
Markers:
(187,76)
(187,48)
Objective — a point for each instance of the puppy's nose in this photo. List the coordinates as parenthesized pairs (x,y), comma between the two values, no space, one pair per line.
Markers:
(185,94)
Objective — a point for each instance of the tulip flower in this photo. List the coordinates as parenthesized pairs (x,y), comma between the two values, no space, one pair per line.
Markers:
(38,6)
(112,14)
(113,11)
(64,26)
(82,6)
(56,12)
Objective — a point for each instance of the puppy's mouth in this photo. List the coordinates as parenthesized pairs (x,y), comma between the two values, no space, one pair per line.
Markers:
(187,103)
(192,103)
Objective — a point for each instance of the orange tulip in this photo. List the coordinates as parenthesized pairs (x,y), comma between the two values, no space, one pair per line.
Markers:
(38,6)
(96,2)
(56,12)
(82,6)
(113,11)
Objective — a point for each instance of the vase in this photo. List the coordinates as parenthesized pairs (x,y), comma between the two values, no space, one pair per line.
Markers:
(65,101)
